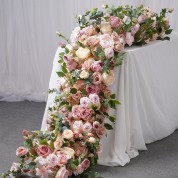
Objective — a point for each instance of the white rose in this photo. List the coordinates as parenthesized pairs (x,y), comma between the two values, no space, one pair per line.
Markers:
(83,53)
(106,27)
(108,78)
(84,74)
(68,134)
(74,35)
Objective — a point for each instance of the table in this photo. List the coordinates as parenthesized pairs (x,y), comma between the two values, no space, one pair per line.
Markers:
(146,85)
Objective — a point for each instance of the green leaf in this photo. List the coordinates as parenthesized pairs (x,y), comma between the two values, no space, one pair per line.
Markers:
(167,38)
(113,96)
(167,32)
(64,69)
(108,126)
(66,50)
(73,90)
(112,119)
(60,74)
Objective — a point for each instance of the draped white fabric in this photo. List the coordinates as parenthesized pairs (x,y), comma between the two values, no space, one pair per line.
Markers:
(28,41)
(146,84)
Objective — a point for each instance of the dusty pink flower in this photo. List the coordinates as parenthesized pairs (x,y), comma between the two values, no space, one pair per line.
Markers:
(85,113)
(85,102)
(62,173)
(76,111)
(92,89)
(71,65)
(87,127)
(96,66)
(129,38)
(106,41)
(101,131)
(85,163)
(93,41)
(62,159)
(96,125)
(44,150)
(141,18)
(52,160)
(135,29)
(79,170)
(25,133)
(87,64)
(89,31)
(80,149)
(21,151)
(97,78)
(115,22)
(109,52)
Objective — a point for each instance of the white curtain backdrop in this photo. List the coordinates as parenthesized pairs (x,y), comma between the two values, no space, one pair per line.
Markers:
(28,41)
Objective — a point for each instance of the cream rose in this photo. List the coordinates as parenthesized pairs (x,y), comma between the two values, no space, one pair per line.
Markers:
(83,53)
(58,143)
(108,78)
(91,140)
(106,27)
(84,74)
(68,151)
(68,134)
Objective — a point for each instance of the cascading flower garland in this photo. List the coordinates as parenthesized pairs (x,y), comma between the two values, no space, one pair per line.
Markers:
(79,117)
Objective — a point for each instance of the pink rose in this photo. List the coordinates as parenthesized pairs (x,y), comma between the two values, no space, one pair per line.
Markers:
(87,127)
(77,126)
(21,151)
(109,52)
(85,163)
(79,170)
(87,64)
(43,172)
(44,150)
(62,173)
(135,29)
(76,111)
(141,18)
(106,41)
(115,22)
(96,125)
(62,159)
(129,38)
(94,98)
(89,31)
(85,102)
(92,89)
(101,131)
(52,160)
(85,113)
(93,41)
(97,78)
(80,149)
(96,66)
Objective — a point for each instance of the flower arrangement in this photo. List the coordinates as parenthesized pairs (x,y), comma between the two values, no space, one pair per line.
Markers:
(79,117)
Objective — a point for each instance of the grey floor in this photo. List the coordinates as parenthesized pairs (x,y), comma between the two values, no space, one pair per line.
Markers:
(160,161)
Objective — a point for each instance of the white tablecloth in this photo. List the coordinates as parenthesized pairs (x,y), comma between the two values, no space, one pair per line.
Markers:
(147,86)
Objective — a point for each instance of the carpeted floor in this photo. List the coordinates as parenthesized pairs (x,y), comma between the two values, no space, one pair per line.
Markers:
(160,161)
